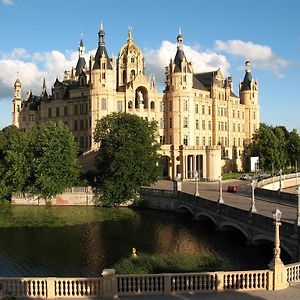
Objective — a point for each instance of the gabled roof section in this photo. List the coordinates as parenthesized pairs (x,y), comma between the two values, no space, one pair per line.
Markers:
(246,84)
(198,85)
(207,78)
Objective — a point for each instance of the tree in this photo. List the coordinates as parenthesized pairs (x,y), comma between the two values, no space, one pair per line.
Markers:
(293,147)
(42,161)
(127,158)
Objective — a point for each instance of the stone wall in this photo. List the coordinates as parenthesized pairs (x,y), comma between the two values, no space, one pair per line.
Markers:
(72,196)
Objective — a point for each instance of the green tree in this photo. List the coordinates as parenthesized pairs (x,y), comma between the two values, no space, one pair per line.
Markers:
(281,135)
(42,161)
(293,148)
(265,145)
(127,158)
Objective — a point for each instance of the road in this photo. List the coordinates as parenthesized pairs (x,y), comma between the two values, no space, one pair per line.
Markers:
(242,199)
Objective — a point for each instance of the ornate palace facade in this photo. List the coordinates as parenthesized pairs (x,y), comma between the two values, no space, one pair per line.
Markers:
(203,125)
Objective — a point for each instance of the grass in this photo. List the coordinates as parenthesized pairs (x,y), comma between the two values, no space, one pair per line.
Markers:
(170,263)
(233,175)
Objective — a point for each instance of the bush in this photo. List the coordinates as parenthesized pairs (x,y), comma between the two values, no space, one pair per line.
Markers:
(171,263)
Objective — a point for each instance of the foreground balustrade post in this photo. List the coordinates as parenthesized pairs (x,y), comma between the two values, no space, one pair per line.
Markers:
(167,284)
(110,284)
(51,287)
(276,265)
(220,282)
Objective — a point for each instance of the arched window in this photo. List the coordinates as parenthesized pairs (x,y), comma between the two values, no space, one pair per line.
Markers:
(132,59)
(132,74)
(152,105)
(103,103)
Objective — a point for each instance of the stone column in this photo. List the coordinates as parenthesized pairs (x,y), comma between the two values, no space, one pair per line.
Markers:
(110,286)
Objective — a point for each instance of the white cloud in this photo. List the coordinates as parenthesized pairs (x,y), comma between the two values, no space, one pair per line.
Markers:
(7,2)
(32,68)
(157,59)
(261,56)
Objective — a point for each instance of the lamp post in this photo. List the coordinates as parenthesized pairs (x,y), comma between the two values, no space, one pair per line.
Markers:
(277,217)
(197,183)
(253,208)
(296,167)
(280,179)
(298,207)
(220,200)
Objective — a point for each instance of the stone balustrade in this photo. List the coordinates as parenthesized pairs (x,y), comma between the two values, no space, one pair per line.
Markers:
(111,285)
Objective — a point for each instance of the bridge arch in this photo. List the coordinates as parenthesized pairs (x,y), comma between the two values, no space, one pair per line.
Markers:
(262,237)
(224,225)
(204,215)
(184,209)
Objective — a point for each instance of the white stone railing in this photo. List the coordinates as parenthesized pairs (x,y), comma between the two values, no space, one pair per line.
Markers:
(111,285)
(51,287)
(293,272)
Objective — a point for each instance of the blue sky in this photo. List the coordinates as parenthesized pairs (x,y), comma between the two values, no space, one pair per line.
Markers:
(39,38)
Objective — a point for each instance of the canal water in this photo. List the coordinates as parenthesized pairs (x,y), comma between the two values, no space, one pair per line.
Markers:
(82,241)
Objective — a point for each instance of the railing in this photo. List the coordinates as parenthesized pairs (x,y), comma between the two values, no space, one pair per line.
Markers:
(140,284)
(133,285)
(51,287)
(293,272)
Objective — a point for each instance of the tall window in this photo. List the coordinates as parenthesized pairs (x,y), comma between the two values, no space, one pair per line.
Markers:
(162,123)
(119,106)
(185,122)
(203,124)
(162,139)
(57,111)
(196,108)
(185,140)
(197,140)
(103,103)
(65,111)
(185,105)
(75,109)
(161,106)
(171,123)
(203,109)
(197,124)
(203,141)
(49,112)
(209,125)
(209,110)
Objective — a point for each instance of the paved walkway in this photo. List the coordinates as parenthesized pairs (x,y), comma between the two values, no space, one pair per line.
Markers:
(242,199)
(291,293)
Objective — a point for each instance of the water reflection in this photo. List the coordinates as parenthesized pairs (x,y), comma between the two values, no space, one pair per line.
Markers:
(82,241)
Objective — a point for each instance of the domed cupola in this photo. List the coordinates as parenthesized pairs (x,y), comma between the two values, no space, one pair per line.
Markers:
(130,62)
(246,84)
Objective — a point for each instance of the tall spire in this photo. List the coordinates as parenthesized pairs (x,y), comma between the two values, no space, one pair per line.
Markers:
(101,35)
(44,89)
(179,40)
(81,47)
(246,84)
(130,39)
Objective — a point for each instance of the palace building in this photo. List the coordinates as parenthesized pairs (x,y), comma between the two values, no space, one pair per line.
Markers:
(203,124)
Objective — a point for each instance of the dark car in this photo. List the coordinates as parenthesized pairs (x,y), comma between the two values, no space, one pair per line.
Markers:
(245,177)
(232,189)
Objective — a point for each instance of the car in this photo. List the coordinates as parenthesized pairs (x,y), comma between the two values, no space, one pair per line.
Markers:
(245,177)
(232,189)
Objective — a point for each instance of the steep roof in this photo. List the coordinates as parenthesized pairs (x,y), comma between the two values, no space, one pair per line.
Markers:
(246,84)
(207,78)
(81,64)
(198,85)
(179,57)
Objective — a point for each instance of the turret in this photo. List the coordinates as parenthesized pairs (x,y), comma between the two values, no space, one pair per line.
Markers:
(102,71)
(249,97)
(44,93)
(16,102)
(81,64)
(130,62)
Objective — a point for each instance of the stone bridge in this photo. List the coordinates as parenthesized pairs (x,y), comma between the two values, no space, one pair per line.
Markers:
(256,228)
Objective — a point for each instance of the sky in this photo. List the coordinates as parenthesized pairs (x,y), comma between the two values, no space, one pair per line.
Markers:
(39,39)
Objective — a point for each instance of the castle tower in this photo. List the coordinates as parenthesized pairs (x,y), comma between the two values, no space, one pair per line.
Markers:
(16,103)
(249,97)
(178,96)
(102,83)
(130,63)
